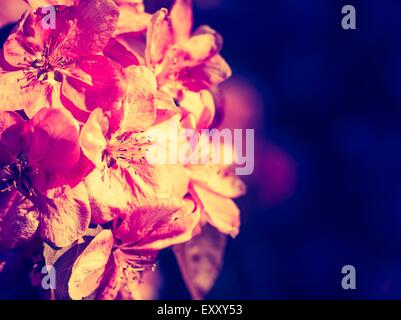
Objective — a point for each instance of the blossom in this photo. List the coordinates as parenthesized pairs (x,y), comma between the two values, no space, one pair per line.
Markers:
(62,67)
(179,56)
(36,194)
(115,260)
(118,147)
(92,131)
(187,65)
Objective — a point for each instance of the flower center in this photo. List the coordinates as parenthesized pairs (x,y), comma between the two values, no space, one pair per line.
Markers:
(37,70)
(130,149)
(17,176)
(132,268)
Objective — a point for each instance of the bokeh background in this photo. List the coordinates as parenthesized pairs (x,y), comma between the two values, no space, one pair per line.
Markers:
(325,104)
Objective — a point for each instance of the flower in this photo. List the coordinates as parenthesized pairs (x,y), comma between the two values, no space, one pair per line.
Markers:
(210,166)
(62,67)
(93,130)
(115,260)
(36,158)
(186,64)
(177,56)
(118,147)
(133,17)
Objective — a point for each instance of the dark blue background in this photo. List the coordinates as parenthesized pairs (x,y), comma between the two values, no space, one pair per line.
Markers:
(333,101)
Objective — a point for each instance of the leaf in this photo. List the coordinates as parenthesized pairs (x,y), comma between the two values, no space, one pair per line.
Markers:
(200,261)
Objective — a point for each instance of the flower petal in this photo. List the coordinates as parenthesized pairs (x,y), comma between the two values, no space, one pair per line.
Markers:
(179,229)
(117,51)
(90,266)
(109,195)
(214,178)
(83,32)
(7,120)
(159,224)
(52,140)
(11,125)
(92,138)
(197,50)
(159,37)
(31,98)
(211,73)
(220,212)
(106,89)
(111,280)
(65,215)
(139,104)
(179,178)
(204,44)
(182,19)
(18,219)
(133,17)
(165,105)
(27,39)
(148,181)
(199,104)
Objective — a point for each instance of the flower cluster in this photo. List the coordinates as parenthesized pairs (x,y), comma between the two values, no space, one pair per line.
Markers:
(81,103)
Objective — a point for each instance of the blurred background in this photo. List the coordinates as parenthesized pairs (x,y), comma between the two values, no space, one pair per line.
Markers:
(325,104)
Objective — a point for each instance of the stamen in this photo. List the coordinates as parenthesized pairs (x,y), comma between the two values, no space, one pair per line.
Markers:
(137,265)
(37,70)
(131,149)
(17,176)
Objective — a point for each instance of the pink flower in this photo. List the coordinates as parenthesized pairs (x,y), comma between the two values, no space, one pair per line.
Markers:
(118,145)
(62,67)
(37,159)
(115,260)
(179,56)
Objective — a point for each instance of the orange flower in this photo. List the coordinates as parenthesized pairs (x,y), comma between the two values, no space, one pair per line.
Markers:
(115,260)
